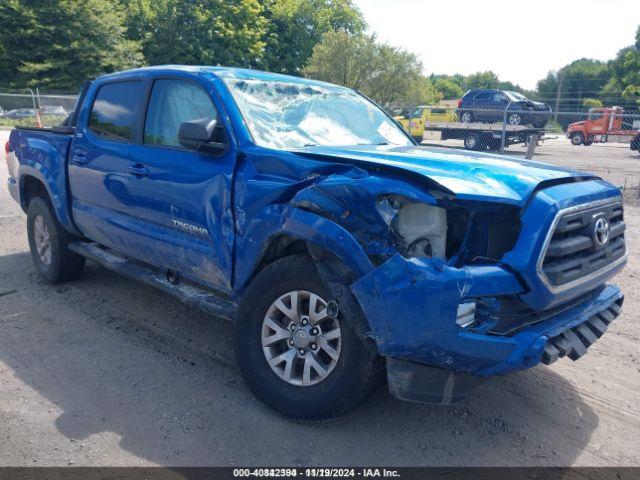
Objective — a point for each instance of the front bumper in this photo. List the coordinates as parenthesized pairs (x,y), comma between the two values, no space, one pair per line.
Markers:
(411,305)
(416,382)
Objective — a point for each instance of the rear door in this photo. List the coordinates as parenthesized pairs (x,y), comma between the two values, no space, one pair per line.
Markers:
(182,197)
(99,160)
(482,106)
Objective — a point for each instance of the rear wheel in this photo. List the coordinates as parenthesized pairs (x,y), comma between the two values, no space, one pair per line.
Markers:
(48,243)
(473,142)
(515,119)
(577,138)
(466,117)
(296,351)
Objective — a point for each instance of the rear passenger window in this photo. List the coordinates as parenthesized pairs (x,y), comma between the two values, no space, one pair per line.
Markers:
(173,102)
(114,110)
(483,96)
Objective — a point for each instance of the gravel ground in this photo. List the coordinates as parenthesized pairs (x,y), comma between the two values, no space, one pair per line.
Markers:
(105,371)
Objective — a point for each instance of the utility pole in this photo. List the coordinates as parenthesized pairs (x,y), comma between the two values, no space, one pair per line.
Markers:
(558,93)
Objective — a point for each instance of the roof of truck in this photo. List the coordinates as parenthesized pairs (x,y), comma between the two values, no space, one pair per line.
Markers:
(222,72)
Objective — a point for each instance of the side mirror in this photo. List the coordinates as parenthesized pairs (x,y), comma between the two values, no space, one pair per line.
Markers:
(197,135)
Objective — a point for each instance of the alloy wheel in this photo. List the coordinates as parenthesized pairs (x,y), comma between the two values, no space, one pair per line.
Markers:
(300,341)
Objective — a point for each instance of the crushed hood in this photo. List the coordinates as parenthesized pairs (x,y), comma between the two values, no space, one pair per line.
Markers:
(468,175)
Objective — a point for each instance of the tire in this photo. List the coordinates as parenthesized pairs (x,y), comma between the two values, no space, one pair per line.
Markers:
(466,117)
(577,138)
(353,373)
(473,142)
(515,119)
(48,243)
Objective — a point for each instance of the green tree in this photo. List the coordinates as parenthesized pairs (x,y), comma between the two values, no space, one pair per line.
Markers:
(343,59)
(59,43)
(199,32)
(448,88)
(296,26)
(625,75)
(584,78)
(480,80)
(592,103)
(389,75)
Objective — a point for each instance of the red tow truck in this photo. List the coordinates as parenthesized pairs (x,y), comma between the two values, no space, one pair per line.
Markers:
(603,125)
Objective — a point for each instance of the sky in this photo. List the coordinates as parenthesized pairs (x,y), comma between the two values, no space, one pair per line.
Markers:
(520,41)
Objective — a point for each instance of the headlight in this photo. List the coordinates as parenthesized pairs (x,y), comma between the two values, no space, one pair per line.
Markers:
(421,228)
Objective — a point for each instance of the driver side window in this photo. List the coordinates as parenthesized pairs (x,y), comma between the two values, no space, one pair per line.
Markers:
(173,102)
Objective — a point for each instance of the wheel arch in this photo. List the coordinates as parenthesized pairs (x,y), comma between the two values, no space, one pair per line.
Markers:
(338,256)
(33,183)
(30,187)
(306,232)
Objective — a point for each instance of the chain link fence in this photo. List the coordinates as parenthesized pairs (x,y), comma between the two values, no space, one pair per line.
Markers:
(32,107)
(604,141)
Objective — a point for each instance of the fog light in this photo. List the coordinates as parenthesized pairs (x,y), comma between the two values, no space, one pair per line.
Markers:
(466,314)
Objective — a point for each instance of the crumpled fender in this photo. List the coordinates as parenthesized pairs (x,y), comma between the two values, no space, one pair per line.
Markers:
(411,305)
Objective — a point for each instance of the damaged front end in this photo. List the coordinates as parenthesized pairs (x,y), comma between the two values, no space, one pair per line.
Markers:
(445,310)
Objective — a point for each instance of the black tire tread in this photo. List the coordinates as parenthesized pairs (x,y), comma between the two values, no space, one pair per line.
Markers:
(371,369)
(69,265)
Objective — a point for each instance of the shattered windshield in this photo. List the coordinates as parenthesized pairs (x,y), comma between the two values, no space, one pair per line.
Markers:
(294,115)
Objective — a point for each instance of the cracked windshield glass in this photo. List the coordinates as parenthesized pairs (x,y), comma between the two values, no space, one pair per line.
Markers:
(294,115)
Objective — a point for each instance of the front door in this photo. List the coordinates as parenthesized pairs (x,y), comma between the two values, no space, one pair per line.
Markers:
(182,196)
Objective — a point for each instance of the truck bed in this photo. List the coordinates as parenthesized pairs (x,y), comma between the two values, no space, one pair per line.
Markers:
(61,129)
(42,153)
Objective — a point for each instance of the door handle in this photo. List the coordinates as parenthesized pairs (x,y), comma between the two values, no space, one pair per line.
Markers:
(79,159)
(138,170)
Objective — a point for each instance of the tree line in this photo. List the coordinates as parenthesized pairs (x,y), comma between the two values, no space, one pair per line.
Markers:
(56,44)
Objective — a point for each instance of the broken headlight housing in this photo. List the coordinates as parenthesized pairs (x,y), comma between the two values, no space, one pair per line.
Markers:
(420,229)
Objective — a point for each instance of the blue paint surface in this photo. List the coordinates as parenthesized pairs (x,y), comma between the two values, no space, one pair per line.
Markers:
(236,205)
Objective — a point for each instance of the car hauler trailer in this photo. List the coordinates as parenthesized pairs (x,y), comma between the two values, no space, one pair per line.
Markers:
(481,136)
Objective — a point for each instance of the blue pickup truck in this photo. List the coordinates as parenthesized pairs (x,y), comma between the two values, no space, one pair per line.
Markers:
(341,250)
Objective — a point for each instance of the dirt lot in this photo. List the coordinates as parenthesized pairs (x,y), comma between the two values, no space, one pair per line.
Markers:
(105,371)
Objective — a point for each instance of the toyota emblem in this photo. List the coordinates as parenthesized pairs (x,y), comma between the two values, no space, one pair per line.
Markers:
(601,231)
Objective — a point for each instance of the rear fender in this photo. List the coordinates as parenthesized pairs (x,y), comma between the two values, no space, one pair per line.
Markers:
(42,155)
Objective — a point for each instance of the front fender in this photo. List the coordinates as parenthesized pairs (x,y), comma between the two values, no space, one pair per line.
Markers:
(302,225)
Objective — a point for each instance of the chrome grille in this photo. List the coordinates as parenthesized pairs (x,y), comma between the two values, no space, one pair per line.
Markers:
(574,249)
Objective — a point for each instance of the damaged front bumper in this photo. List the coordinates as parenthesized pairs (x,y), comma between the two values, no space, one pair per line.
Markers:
(412,304)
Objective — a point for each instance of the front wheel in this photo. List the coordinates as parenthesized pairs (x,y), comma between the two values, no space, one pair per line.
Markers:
(296,351)
(577,138)
(48,242)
